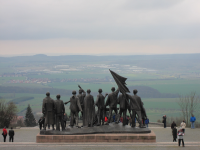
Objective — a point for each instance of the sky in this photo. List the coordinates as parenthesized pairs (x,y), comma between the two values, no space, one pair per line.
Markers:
(114,27)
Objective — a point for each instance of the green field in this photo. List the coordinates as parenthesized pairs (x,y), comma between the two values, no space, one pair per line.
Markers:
(175,74)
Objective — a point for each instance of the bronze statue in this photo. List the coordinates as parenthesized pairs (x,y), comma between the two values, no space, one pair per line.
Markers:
(136,107)
(143,113)
(81,97)
(75,106)
(100,102)
(88,110)
(124,105)
(112,102)
(48,109)
(59,112)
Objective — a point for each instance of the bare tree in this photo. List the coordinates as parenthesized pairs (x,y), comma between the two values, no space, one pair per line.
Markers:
(189,105)
(7,113)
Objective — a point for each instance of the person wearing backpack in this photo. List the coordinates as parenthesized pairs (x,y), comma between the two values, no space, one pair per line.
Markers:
(4,133)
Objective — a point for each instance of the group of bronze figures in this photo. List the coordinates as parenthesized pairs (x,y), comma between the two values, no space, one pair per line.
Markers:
(54,110)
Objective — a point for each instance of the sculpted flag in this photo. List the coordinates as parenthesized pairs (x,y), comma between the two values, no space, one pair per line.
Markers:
(120,82)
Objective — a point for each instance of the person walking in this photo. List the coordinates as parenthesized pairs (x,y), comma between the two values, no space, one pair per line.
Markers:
(146,121)
(183,125)
(4,134)
(174,131)
(164,120)
(180,137)
(11,135)
(192,120)
(172,126)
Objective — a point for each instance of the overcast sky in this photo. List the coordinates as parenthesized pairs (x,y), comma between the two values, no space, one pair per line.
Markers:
(57,27)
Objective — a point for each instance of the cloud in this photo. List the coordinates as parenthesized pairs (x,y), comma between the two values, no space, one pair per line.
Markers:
(114,47)
(100,20)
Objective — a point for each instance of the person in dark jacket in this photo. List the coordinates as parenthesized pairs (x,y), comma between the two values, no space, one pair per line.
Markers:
(174,133)
(172,126)
(11,135)
(164,120)
(40,122)
(4,134)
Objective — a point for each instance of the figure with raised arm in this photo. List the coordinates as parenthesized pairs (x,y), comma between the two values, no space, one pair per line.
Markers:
(81,97)
(75,106)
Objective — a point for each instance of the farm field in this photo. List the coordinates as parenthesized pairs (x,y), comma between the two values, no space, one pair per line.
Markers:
(163,78)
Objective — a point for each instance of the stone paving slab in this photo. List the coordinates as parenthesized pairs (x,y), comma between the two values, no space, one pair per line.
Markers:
(2,144)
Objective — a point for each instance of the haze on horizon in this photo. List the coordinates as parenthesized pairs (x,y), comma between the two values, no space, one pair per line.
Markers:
(99,27)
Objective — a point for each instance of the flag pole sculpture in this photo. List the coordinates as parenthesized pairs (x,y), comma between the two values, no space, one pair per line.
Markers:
(85,105)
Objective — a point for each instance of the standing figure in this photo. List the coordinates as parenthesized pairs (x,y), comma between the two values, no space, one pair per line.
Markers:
(4,134)
(81,97)
(164,121)
(75,106)
(112,102)
(180,137)
(59,112)
(123,104)
(174,133)
(11,135)
(88,110)
(146,121)
(100,102)
(192,120)
(172,126)
(136,107)
(183,126)
(48,109)
(40,123)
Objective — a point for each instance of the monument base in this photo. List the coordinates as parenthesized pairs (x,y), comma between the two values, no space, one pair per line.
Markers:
(120,137)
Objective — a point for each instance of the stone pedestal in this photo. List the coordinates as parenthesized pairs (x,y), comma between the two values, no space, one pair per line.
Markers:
(111,137)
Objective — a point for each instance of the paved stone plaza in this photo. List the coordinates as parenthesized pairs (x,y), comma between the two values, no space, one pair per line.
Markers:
(25,138)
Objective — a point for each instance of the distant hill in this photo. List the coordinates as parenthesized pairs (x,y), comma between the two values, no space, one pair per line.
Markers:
(143,91)
(148,92)
(158,62)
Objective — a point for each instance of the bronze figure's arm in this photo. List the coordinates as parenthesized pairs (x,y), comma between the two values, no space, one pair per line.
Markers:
(105,95)
(67,102)
(84,93)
